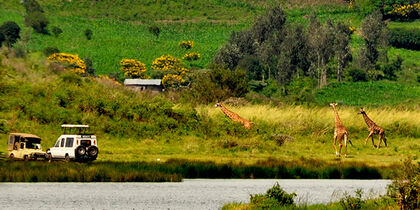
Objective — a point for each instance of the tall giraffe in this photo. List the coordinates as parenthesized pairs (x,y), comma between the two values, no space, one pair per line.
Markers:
(233,116)
(373,129)
(340,133)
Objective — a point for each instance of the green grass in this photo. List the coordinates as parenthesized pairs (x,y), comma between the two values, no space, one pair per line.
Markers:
(380,93)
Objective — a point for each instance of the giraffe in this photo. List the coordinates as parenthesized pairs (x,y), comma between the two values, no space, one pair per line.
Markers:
(340,133)
(373,129)
(233,116)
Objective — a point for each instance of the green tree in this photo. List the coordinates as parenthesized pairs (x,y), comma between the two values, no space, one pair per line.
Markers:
(375,39)
(88,34)
(320,39)
(9,33)
(56,31)
(342,48)
(155,30)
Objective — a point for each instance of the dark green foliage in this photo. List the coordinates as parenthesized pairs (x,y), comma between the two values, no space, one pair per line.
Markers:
(9,33)
(90,70)
(88,34)
(356,75)
(253,68)
(37,21)
(56,31)
(50,50)
(408,38)
(301,90)
(218,84)
(248,42)
(352,203)
(155,30)
(390,69)
(275,197)
(405,189)
(32,6)
(375,38)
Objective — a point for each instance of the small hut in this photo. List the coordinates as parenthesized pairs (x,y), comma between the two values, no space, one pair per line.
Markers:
(144,84)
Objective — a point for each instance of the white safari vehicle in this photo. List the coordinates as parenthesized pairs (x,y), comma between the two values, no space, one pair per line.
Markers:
(75,144)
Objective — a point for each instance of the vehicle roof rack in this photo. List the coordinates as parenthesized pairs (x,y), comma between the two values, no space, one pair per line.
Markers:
(74,126)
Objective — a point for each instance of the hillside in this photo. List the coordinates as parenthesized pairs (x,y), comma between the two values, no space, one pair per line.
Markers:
(37,97)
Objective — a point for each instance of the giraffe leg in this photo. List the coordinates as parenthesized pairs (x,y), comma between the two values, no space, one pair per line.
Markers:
(373,142)
(335,148)
(370,134)
(380,140)
(386,145)
(339,147)
(346,138)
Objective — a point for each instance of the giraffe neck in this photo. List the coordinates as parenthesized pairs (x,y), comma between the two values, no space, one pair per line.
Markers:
(227,112)
(337,118)
(368,121)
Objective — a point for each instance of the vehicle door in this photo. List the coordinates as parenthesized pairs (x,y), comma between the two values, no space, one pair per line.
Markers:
(58,150)
(69,146)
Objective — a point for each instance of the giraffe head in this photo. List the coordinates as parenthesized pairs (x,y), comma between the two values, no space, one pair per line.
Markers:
(361,111)
(333,104)
(218,105)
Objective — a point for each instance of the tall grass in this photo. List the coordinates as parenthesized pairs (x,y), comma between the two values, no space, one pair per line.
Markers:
(176,169)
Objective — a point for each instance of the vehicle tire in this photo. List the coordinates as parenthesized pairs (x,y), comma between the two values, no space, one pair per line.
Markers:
(80,151)
(48,157)
(93,151)
(12,156)
(67,158)
(25,158)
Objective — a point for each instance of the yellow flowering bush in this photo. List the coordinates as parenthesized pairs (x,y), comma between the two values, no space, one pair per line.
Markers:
(133,68)
(172,67)
(186,44)
(352,28)
(191,56)
(405,10)
(172,80)
(72,61)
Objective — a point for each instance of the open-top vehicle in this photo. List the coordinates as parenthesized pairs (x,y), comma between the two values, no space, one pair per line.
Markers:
(25,146)
(76,143)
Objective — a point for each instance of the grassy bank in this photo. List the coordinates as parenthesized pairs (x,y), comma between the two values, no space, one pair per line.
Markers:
(176,169)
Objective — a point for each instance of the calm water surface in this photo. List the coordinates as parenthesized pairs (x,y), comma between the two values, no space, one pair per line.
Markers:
(189,194)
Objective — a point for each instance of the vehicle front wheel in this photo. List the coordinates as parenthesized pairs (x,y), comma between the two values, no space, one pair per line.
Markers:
(67,158)
(12,156)
(25,158)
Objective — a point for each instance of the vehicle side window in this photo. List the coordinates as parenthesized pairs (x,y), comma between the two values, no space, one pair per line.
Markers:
(57,144)
(62,143)
(11,140)
(69,142)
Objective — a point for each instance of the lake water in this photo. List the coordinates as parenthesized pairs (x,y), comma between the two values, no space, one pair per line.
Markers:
(189,194)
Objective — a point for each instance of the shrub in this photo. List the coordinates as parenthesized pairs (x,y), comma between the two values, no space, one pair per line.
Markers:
(88,34)
(186,44)
(274,198)
(356,75)
(90,70)
(405,38)
(37,21)
(390,69)
(9,33)
(405,189)
(50,50)
(133,68)
(349,202)
(191,56)
(155,30)
(217,84)
(56,31)
(72,62)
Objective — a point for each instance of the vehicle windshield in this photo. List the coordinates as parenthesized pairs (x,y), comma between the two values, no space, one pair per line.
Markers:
(33,143)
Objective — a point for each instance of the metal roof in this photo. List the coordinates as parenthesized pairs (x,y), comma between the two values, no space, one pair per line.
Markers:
(24,135)
(74,126)
(143,82)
